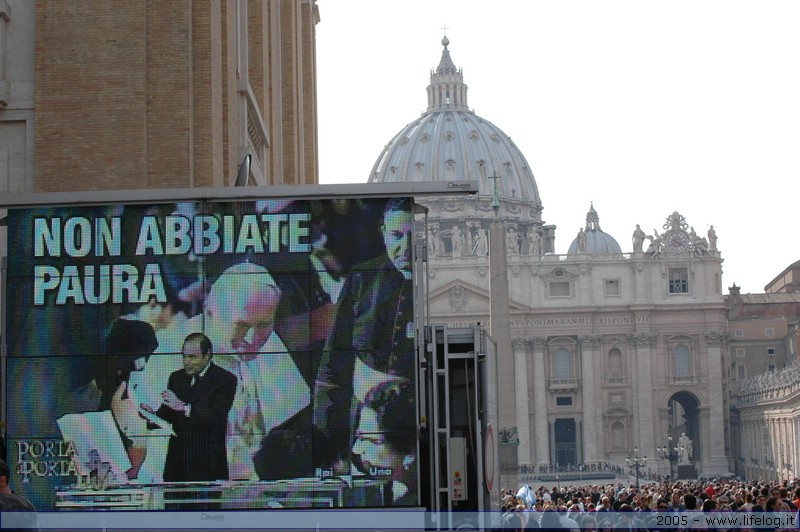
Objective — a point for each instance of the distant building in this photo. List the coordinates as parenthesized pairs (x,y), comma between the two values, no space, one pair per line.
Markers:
(764,381)
(610,348)
(788,281)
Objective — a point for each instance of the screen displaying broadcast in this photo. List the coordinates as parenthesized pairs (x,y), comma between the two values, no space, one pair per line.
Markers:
(226,355)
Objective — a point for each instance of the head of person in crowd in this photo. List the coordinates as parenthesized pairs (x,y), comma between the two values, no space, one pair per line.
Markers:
(18,513)
(761,500)
(240,309)
(550,519)
(605,504)
(605,525)
(385,441)
(398,234)
(773,504)
(5,477)
(709,505)
(690,501)
(675,498)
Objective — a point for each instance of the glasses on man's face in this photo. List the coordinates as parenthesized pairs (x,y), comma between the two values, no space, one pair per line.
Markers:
(662,507)
(375,438)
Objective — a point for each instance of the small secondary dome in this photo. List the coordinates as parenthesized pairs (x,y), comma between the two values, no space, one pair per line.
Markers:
(591,240)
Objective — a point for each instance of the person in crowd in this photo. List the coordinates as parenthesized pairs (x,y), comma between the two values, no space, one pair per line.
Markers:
(690,502)
(588,522)
(676,502)
(17,511)
(567,521)
(629,519)
(550,519)
(197,403)
(605,504)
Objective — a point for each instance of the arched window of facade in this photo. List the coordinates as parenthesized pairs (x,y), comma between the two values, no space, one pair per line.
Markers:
(681,366)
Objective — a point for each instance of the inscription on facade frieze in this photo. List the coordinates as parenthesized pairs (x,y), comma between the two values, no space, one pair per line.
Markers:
(572,321)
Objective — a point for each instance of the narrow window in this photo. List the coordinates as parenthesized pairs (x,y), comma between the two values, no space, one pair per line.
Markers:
(678,281)
(680,362)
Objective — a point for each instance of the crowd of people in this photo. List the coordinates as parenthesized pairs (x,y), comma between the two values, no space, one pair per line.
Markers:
(591,507)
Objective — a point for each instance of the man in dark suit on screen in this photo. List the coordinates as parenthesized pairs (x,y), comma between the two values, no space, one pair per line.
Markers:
(373,335)
(197,401)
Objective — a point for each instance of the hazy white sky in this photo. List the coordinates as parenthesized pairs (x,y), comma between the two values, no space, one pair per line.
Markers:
(641,107)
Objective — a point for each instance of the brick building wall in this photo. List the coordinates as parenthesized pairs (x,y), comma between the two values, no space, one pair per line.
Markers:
(148,94)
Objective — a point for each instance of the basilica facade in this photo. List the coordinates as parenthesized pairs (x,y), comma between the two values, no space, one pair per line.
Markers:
(604,352)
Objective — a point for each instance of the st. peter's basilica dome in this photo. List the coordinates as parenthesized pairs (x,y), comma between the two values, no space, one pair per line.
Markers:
(449,142)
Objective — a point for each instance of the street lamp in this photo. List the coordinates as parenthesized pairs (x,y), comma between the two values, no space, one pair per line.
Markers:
(636,464)
(670,453)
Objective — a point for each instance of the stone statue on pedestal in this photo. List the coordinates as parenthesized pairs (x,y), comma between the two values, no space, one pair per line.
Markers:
(684,449)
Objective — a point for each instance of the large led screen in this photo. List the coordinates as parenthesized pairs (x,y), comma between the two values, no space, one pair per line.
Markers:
(234,355)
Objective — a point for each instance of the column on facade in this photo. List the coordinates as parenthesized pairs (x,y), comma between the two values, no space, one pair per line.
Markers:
(776,461)
(787,445)
(705,436)
(591,443)
(795,460)
(643,410)
(715,462)
(788,438)
(779,446)
(661,438)
(521,392)
(775,438)
(541,432)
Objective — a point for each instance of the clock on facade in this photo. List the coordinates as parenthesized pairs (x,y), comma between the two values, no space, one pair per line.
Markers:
(676,240)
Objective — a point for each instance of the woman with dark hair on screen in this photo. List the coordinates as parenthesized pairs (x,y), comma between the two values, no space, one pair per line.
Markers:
(385,442)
